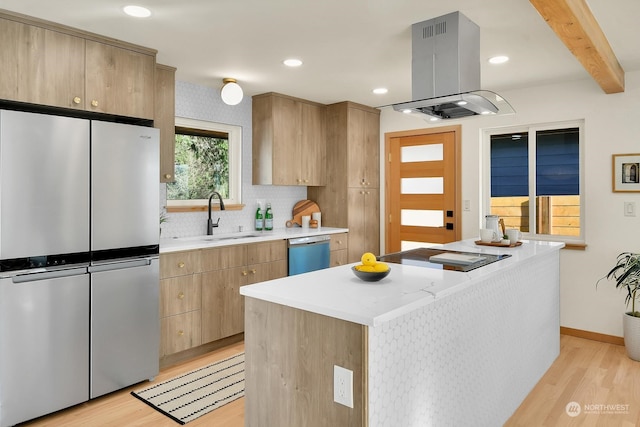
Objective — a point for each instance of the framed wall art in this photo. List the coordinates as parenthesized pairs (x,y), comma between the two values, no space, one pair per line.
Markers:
(626,173)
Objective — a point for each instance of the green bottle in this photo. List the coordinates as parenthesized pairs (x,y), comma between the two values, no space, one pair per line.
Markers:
(268,218)
(259,219)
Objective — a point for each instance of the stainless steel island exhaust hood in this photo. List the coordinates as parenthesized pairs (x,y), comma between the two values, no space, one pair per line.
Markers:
(445,71)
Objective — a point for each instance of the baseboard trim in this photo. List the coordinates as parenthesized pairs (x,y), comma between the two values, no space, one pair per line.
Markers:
(594,336)
(182,356)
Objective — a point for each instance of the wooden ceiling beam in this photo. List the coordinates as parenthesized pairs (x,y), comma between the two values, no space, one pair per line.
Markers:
(574,23)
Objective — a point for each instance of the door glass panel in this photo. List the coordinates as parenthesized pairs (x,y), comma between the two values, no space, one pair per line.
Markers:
(421,153)
(433,185)
(421,218)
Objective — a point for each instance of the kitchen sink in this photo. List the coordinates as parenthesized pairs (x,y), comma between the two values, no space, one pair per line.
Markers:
(217,238)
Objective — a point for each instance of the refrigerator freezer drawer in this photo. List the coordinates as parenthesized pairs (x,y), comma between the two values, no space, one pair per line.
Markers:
(45,325)
(125,327)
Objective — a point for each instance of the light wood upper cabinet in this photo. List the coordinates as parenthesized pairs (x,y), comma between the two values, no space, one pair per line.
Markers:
(41,66)
(119,81)
(54,65)
(363,134)
(164,119)
(288,141)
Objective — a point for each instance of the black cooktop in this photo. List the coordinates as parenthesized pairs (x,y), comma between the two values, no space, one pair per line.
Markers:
(421,258)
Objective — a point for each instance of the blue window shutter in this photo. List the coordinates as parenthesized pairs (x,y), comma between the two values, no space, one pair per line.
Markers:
(509,166)
(558,163)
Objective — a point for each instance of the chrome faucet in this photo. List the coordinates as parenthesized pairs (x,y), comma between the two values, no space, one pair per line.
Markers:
(210,223)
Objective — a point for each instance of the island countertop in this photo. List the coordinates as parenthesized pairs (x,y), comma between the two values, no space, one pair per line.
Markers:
(338,293)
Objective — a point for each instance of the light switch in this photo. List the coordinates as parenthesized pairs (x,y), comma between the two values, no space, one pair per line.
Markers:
(629,208)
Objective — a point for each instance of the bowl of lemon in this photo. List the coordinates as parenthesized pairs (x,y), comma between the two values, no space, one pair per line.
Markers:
(371,270)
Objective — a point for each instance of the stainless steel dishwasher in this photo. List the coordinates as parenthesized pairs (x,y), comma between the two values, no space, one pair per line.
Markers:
(308,254)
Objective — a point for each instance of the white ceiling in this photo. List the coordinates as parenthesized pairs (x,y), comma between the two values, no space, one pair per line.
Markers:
(349,47)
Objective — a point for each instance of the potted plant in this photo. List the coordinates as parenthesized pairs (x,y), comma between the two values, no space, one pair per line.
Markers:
(163,218)
(626,274)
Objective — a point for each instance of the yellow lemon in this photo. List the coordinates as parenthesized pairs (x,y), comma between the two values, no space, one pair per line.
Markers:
(367,268)
(368,259)
(381,266)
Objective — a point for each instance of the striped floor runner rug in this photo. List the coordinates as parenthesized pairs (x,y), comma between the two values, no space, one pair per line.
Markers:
(198,392)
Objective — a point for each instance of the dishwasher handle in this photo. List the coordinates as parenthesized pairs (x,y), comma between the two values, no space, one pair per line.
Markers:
(48,274)
(120,265)
(310,240)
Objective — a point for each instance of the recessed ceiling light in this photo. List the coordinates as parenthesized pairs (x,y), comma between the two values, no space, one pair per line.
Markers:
(137,11)
(433,119)
(500,59)
(292,62)
(461,102)
(380,90)
(407,111)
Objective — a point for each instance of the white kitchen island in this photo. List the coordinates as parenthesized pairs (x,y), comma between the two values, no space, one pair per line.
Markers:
(427,347)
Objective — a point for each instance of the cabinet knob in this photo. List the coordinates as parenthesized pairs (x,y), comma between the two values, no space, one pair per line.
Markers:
(168,176)
(253,271)
(366,192)
(180,333)
(362,192)
(244,273)
(181,295)
(299,181)
(94,103)
(339,242)
(306,180)
(77,100)
(181,264)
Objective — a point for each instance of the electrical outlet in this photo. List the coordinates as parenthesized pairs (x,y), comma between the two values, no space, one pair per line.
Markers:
(343,386)
(629,208)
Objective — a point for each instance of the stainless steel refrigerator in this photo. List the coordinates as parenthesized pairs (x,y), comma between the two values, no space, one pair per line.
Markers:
(79,285)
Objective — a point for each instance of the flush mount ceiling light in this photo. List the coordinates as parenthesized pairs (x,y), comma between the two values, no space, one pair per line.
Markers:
(137,11)
(500,59)
(380,90)
(231,92)
(292,62)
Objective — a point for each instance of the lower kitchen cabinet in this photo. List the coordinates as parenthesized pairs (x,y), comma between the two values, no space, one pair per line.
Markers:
(222,304)
(180,332)
(200,299)
(338,254)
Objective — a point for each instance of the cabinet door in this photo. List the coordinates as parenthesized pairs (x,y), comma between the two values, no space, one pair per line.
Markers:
(179,295)
(287,150)
(267,271)
(180,332)
(363,136)
(372,147)
(222,304)
(179,263)
(119,81)
(223,257)
(165,119)
(32,70)
(338,258)
(364,222)
(313,143)
(266,251)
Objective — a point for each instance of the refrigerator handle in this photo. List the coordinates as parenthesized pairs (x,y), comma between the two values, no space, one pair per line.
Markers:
(119,265)
(45,275)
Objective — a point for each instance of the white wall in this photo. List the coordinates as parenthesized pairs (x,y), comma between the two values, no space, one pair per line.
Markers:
(612,126)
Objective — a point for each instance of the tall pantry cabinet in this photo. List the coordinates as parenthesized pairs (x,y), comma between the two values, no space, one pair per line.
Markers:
(351,196)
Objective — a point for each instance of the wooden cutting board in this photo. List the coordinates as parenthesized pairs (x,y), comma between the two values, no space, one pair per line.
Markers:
(300,209)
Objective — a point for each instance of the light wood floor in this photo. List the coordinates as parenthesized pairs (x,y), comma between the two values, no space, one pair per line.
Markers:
(586,372)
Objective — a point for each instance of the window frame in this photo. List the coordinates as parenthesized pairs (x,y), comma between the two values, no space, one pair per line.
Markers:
(235,162)
(485,200)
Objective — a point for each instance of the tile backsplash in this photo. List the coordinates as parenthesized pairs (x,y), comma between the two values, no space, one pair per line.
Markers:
(204,103)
